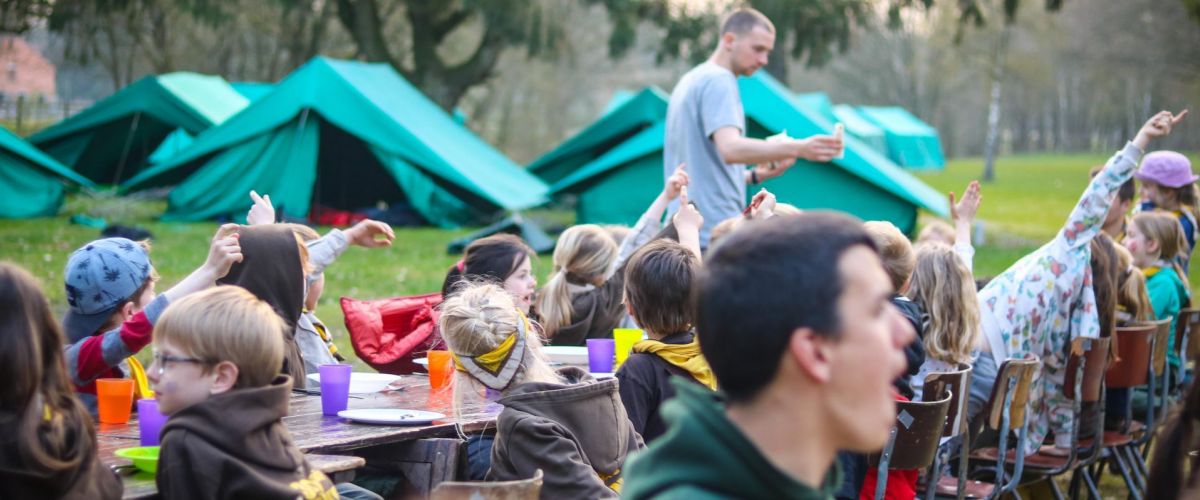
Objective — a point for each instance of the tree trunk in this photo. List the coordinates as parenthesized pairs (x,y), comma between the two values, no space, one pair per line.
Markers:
(994,102)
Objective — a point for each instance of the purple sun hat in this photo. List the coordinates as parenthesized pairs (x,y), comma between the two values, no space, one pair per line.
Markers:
(1167,168)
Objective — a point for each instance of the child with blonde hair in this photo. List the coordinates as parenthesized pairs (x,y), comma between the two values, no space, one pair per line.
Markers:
(1156,241)
(565,423)
(582,298)
(943,287)
(216,372)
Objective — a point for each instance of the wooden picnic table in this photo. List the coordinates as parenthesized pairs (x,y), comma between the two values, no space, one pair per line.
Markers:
(315,433)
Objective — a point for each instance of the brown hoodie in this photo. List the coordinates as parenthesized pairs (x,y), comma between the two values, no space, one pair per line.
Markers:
(233,445)
(271,270)
(576,433)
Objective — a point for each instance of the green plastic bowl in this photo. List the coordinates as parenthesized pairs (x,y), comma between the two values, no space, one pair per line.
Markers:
(145,458)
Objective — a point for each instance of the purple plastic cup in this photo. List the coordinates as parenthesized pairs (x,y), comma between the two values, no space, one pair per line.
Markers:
(600,355)
(335,388)
(150,421)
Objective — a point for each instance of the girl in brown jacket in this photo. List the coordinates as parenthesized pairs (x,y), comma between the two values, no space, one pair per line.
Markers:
(565,423)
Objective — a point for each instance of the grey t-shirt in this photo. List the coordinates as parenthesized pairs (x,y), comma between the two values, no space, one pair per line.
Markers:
(705,100)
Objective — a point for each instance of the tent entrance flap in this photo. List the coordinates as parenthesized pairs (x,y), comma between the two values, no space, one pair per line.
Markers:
(349,175)
(116,151)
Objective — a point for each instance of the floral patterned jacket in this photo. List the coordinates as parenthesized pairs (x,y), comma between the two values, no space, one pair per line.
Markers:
(1045,300)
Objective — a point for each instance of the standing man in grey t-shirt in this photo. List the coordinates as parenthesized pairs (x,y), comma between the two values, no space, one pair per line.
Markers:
(706,126)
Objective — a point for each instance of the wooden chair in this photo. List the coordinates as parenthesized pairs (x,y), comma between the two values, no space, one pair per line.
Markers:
(1185,327)
(1191,340)
(1005,413)
(1084,380)
(1158,399)
(525,489)
(1136,345)
(914,439)
(955,434)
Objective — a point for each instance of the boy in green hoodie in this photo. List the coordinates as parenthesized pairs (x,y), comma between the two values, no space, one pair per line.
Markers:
(216,373)
(793,315)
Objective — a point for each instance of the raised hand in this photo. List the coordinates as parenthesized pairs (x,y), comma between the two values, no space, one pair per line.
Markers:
(688,216)
(676,182)
(762,206)
(1158,126)
(262,212)
(224,251)
(968,206)
(370,234)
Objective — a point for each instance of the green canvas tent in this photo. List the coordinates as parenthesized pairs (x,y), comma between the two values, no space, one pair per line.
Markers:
(817,102)
(346,135)
(112,140)
(911,143)
(861,128)
(626,116)
(622,181)
(253,90)
(32,181)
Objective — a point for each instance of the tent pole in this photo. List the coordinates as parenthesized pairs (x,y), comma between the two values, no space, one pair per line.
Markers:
(128,143)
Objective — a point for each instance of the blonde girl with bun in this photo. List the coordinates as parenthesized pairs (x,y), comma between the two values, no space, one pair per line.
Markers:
(565,422)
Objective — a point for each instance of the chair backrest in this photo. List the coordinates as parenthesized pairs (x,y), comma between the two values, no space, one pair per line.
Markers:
(919,426)
(1182,326)
(1133,342)
(524,489)
(1193,335)
(1021,371)
(1094,357)
(1162,337)
(958,382)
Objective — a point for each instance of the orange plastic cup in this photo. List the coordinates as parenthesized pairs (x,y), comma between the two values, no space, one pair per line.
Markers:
(441,369)
(114,399)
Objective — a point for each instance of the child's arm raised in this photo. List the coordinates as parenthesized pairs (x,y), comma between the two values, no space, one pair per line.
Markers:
(1088,216)
(323,251)
(963,214)
(650,224)
(223,252)
(262,212)
(687,223)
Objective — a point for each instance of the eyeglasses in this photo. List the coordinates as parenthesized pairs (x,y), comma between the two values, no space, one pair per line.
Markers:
(161,359)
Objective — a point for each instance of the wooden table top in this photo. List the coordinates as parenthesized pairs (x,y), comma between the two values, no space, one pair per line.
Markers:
(316,433)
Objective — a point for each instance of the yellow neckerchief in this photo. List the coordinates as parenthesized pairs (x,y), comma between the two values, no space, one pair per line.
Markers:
(492,359)
(685,356)
(141,385)
(613,481)
(1149,272)
(324,334)
(497,368)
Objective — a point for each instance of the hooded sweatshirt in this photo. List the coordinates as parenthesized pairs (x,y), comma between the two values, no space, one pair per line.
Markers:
(596,310)
(577,433)
(89,480)
(271,270)
(645,384)
(233,445)
(703,455)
